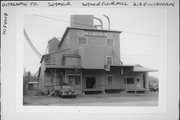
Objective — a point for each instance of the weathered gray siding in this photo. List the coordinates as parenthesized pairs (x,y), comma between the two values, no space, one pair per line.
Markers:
(42,77)
(118,79)
(65,43)
(55,58)
(94,57)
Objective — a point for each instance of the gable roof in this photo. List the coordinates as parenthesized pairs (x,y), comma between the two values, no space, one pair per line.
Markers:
(85,29)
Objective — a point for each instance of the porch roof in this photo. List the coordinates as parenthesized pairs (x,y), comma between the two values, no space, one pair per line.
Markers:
(136,68)
(139,68)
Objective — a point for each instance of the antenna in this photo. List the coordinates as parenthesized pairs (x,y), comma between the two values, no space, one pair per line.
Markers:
(108,21)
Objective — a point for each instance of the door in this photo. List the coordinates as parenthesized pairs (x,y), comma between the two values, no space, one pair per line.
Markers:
(90,82)
(139,85)
(77,84)
(140,82)
(75,81)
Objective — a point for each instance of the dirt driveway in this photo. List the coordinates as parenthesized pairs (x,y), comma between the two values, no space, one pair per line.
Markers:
(141,99)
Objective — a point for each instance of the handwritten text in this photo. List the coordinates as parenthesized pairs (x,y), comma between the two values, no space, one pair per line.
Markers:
(153,4)
(19,4)
(5,22)
(55,4)
(113,3)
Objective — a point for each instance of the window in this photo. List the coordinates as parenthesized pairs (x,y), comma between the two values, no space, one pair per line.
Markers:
(71,79)
(82,40)
(110,79)
(77,80)
(109,60)
(130,80)
(110,42)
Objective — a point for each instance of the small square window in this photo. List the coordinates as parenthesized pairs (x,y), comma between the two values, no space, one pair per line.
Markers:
(82,40)
(130,80)
(109,60)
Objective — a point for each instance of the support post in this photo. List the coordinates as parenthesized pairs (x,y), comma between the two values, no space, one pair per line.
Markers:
(146,81)
(103,82)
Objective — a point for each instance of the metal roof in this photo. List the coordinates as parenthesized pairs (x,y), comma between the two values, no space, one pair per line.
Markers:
(136,68)
(53,53)
(139,68)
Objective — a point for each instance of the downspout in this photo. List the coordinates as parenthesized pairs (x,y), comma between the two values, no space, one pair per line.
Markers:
(99,21)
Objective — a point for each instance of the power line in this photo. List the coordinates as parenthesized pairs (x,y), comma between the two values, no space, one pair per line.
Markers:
(31,45)
(61,20)
(142,34)
(91,26)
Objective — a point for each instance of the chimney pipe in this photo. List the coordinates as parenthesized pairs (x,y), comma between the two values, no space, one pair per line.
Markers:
(108,21)
(100,21)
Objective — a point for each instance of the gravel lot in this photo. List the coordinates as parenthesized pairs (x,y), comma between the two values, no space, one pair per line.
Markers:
(141,99)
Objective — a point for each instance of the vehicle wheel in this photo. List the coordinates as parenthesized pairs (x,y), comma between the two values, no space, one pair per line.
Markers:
(74,96)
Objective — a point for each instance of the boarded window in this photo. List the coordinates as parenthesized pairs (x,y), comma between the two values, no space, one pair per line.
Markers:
(110,42)
(109,60)
(110,79)
(130,80)
(82,40)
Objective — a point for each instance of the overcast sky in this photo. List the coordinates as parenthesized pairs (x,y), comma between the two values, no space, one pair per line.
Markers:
(139,40)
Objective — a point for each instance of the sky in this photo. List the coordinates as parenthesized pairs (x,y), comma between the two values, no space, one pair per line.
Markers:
(139,40)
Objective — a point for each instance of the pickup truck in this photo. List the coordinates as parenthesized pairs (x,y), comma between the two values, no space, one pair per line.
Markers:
(67,90)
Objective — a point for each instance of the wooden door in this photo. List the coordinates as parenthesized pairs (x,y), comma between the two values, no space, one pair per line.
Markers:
(75,81)
(77,84)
